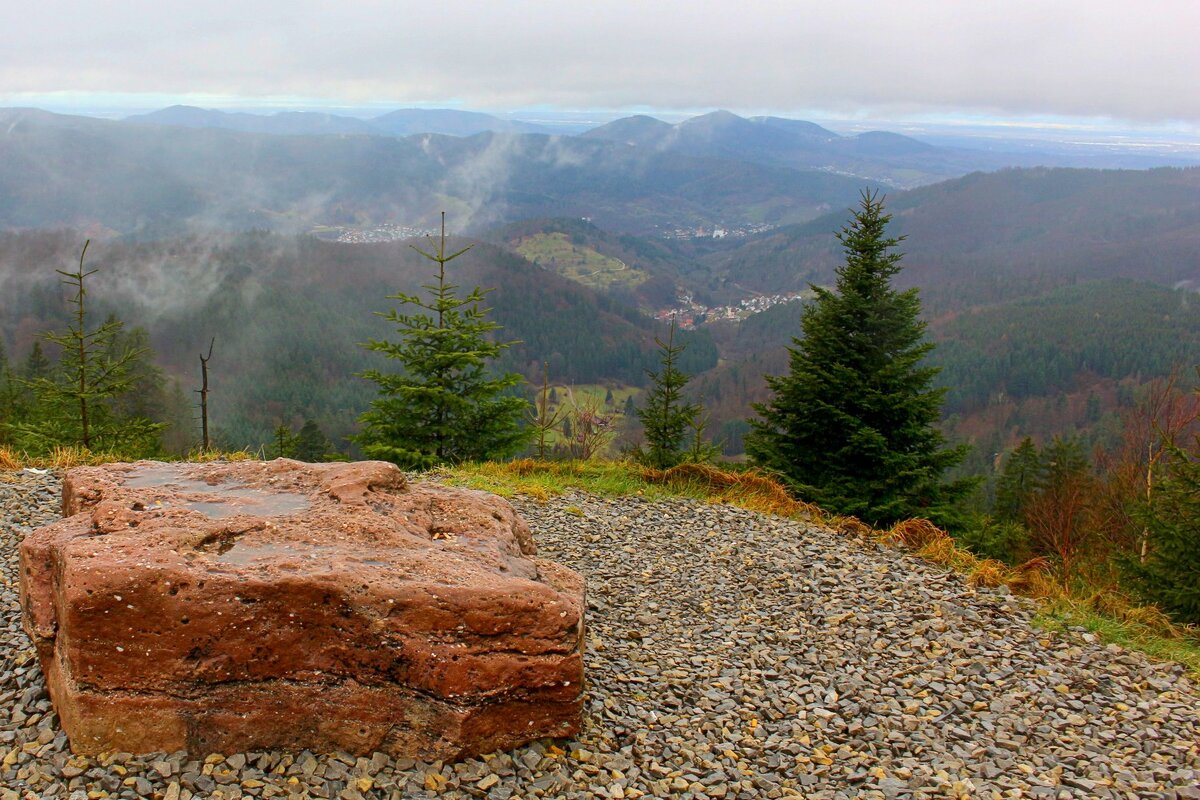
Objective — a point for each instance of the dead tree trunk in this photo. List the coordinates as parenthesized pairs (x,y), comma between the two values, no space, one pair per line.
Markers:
(203,392)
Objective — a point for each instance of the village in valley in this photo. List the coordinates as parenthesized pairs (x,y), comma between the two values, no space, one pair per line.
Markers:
(388,232)
(690,314)
(717,231)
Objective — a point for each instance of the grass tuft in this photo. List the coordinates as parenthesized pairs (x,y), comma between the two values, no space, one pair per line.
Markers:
(1137,628)
(8,459)
(750,489)
(916,533)
(850,526)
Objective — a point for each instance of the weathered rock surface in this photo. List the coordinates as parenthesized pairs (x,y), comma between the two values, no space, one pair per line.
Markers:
(238,606)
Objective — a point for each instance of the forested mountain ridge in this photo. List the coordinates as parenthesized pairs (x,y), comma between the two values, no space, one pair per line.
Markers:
(877,157)
(126,178)
(295,172)
(989,237)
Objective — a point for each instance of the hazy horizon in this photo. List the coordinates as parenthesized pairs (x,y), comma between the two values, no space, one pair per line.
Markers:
(1100,65)
(1064,131)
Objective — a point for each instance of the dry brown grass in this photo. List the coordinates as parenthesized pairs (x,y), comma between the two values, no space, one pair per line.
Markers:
(8,459)
(1119,606)
(68,457)
(850,526)
(916,533)
(205,456)
(926,540)
(58,458)
(527,466)
(989,574)
(1035,578)
(749,489)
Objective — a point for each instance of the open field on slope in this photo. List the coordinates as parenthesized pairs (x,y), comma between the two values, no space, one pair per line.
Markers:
(555,251)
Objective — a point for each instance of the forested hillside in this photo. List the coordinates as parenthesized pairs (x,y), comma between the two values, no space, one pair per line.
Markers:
(872,156)
(288,314)
(988,238)
(1020,270)
(101,175)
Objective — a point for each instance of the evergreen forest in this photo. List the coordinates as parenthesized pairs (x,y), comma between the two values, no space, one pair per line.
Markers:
(1053,327)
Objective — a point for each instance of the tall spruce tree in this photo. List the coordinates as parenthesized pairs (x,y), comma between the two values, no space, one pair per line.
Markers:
(666,416)
(445,405)
(852,425)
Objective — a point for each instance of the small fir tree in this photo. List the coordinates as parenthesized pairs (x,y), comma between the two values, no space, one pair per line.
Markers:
(444,405)
(542,417)
(1019,478)
(312,444)
(666,416)
(100,366)
(36,366)
(283,441)
(852,426)
(700,449)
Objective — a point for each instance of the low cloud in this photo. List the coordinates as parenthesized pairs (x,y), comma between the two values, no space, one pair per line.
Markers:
(1104,58)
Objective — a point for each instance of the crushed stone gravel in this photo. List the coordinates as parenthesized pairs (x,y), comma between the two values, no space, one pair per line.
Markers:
(729,655)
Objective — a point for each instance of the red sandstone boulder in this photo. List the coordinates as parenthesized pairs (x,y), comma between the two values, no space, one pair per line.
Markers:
(252,605)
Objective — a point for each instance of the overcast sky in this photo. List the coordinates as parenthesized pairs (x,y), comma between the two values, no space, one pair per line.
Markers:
(1130,61)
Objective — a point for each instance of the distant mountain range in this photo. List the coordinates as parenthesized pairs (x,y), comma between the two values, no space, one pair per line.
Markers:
(876,156)
(404,122)
(131,177)
(199,169)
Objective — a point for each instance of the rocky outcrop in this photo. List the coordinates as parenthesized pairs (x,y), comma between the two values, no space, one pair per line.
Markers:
(248,605)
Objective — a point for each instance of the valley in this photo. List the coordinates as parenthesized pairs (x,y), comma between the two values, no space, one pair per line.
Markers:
(593,243)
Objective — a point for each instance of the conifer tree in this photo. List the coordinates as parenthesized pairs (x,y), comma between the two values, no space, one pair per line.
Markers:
(283,441)
(1168,575)
(1020,477)
(98,367)
(312,444)
(9,396)
(666,416)
(36,365)
(852,425)
(444,405)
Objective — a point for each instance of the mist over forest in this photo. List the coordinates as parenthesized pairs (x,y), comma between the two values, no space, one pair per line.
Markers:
(1054,292)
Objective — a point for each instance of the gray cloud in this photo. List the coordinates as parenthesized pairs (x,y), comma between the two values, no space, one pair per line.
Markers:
(1113,58)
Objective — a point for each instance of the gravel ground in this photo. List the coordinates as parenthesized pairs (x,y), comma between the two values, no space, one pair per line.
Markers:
(730,655)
